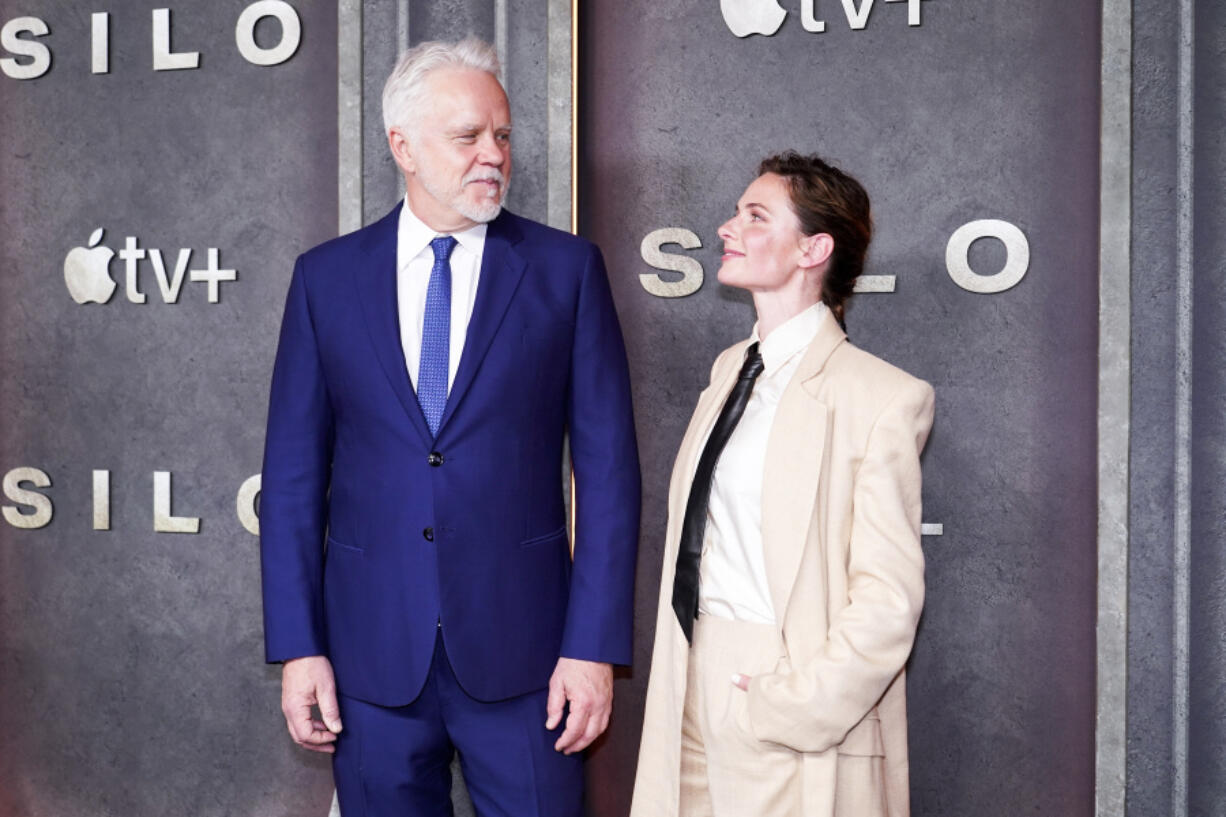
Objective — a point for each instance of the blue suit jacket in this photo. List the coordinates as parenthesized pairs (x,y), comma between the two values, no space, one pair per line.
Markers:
(349,489)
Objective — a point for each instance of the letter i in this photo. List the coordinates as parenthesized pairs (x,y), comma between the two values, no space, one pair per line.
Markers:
(102,500)
(100,56)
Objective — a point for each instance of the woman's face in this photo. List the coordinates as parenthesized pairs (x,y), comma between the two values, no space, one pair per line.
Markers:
(762,242)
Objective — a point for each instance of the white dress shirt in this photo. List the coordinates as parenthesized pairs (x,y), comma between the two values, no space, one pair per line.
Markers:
(732,582)
(414,260)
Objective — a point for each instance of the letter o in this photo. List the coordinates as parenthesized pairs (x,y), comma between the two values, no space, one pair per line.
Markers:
(1017,255)
(248,492)
(291,32)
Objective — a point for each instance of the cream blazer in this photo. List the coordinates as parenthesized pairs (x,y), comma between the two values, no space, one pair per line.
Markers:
(841,533)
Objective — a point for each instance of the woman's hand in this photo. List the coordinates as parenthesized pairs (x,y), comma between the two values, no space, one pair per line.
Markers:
(741,681)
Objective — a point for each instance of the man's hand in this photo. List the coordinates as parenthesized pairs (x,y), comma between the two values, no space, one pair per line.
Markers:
(305,682)
(588,686)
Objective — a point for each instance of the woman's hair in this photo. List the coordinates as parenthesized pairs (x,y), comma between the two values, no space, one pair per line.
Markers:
(827,200)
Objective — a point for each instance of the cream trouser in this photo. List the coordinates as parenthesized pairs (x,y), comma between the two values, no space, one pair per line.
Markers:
(725,770)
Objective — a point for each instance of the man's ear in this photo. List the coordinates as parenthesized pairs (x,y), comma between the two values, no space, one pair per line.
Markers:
(401,151)
(815,250)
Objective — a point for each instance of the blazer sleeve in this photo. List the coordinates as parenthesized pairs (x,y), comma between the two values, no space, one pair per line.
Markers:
(293,495)
(604,454)
(811,707)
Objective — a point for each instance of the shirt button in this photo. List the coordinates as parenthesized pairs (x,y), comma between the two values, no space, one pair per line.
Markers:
(435,459)
(428,534)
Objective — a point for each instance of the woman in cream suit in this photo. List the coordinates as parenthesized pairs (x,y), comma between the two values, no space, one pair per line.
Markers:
(791,590)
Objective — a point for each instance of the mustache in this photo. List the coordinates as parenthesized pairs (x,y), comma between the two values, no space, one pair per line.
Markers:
(485,174)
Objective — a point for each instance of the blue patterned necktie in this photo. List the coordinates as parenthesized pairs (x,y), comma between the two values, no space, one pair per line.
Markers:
(436,336)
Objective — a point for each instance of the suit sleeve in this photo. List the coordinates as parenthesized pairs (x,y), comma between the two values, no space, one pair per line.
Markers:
(810,708)
(600,611)
(297,464)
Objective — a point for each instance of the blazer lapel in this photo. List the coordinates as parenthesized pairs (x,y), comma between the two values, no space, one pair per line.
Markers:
(709,404)
(502,268)
(376,280)
(794,455)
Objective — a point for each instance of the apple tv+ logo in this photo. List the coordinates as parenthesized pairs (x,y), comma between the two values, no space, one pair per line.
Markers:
(746,17)
(87,272)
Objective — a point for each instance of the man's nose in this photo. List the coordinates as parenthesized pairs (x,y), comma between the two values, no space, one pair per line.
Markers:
(490,151)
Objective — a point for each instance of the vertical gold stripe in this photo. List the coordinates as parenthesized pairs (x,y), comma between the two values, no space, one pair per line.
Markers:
(574,193)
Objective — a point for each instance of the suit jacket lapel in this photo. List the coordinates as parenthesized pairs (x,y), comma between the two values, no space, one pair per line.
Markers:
(501,270)
(376,281)
(794,455)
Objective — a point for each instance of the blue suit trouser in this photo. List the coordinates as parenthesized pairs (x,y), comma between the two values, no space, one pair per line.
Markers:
(396,761)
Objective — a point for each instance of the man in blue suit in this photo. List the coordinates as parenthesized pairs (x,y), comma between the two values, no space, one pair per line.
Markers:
(418,580)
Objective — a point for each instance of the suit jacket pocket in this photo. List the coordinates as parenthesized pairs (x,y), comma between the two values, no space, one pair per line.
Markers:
(341,547)
(540,540)
(864,739)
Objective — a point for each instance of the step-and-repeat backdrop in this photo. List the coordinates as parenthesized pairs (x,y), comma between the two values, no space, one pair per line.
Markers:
(162,167)
(974,128)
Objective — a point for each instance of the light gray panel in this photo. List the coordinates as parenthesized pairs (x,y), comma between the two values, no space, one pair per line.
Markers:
(980,112)
(1114,406)
(132,661)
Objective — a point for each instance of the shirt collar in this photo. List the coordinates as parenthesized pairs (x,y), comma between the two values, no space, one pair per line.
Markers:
(788,339)
(414,236)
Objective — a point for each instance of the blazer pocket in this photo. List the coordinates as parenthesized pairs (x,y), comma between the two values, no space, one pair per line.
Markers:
(864,739)
(341,547)
(540,540)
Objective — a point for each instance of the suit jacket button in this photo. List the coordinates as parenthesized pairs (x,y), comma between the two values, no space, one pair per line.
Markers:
(428,533)
(435,459)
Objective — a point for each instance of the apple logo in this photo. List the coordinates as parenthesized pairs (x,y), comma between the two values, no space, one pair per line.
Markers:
(86,271)
(745,17)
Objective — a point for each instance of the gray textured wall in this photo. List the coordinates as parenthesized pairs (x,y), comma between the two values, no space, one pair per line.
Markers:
(131,662)
(980,112)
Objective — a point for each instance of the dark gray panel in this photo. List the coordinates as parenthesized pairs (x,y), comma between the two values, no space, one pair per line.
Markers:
(132,662)
(1207,702)
(525,66)
(450,19)
(980,112)
(382,184)
(1152,451)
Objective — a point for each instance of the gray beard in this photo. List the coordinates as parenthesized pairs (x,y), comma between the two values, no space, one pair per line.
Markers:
(482,213)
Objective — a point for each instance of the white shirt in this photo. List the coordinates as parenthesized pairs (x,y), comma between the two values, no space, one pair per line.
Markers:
(732,582)
(414,260)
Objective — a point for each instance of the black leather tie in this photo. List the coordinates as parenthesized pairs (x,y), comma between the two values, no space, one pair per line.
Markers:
(694,525)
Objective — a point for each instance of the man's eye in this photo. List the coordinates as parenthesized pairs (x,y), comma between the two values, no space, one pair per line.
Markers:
(467,137)
(504,137)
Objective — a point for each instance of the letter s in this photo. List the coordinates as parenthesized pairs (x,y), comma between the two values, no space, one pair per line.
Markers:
(690,268)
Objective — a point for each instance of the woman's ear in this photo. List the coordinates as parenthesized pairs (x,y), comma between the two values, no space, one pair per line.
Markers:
(815,250)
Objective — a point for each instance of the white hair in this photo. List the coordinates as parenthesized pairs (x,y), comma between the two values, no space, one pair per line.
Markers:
(404,91)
